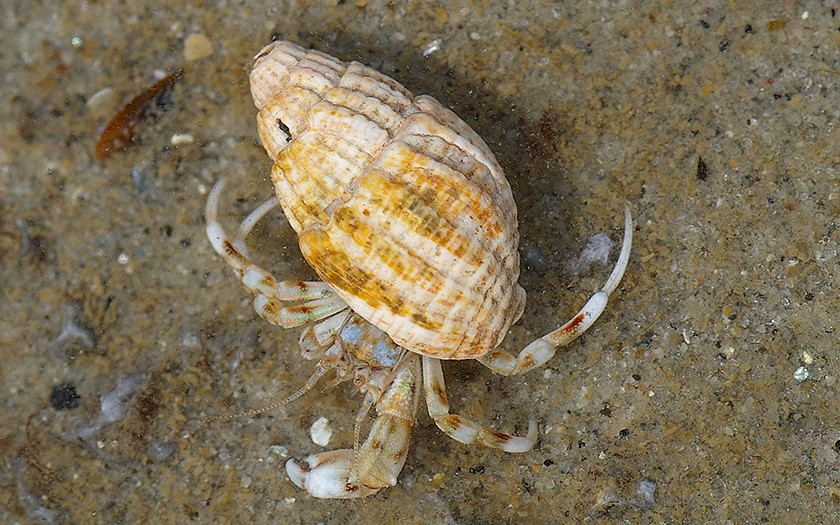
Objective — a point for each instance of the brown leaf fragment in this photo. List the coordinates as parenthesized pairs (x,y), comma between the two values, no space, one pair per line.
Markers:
(121,131)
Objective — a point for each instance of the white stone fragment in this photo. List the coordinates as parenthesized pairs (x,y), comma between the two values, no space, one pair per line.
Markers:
(597,250)
(181,139)
(321,432)
(197,46)
(433,46)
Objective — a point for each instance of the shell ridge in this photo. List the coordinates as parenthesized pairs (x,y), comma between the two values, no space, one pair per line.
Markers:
(495,246)
(474,229)
(368,265)
(367,135)
(454,157)
(352,81)
(456,319)
(373,222)
(503,262)
(394,86)
(480,150)
(508,258)
(421,245)
(313,186)
(304,77)
(326,60)
(284,190)
(330,75)
(466,144)
(369,289)
(378,111)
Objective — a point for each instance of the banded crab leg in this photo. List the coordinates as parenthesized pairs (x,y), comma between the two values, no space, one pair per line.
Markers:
(462,429)
(349,473)
(317,298)
(541,350)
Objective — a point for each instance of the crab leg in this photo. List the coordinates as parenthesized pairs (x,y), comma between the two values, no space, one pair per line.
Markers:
(315,338)
(320,300)
(346,473)
(297,314)
(541,350)
(250,221)
(461,429)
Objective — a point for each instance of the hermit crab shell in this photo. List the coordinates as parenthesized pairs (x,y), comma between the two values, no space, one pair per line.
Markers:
(398,204)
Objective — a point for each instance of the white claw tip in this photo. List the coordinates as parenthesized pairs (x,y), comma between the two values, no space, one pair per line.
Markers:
(623,257)
(328,475)
(532,430)
(296,474)
(216,234)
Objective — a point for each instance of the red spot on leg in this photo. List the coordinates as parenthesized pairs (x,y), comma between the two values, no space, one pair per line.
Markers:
(574,324)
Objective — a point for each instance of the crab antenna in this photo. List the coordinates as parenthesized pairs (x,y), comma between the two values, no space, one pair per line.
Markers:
(313,379)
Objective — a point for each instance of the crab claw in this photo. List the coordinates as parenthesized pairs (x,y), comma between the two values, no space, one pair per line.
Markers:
(328,475)
(346,473)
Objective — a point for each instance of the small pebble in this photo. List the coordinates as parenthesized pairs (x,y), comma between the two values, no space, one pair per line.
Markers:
(64,397)
(279,450)
(161,451)
(645,494)
(597,250)
(433,46)
(197,46)
(801,374)
(181,139)
(321,432)
(103,103)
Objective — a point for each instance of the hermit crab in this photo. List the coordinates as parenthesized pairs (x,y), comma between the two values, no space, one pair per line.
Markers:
(404,213)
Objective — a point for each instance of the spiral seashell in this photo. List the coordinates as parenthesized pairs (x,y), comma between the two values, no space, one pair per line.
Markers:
(398,204)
